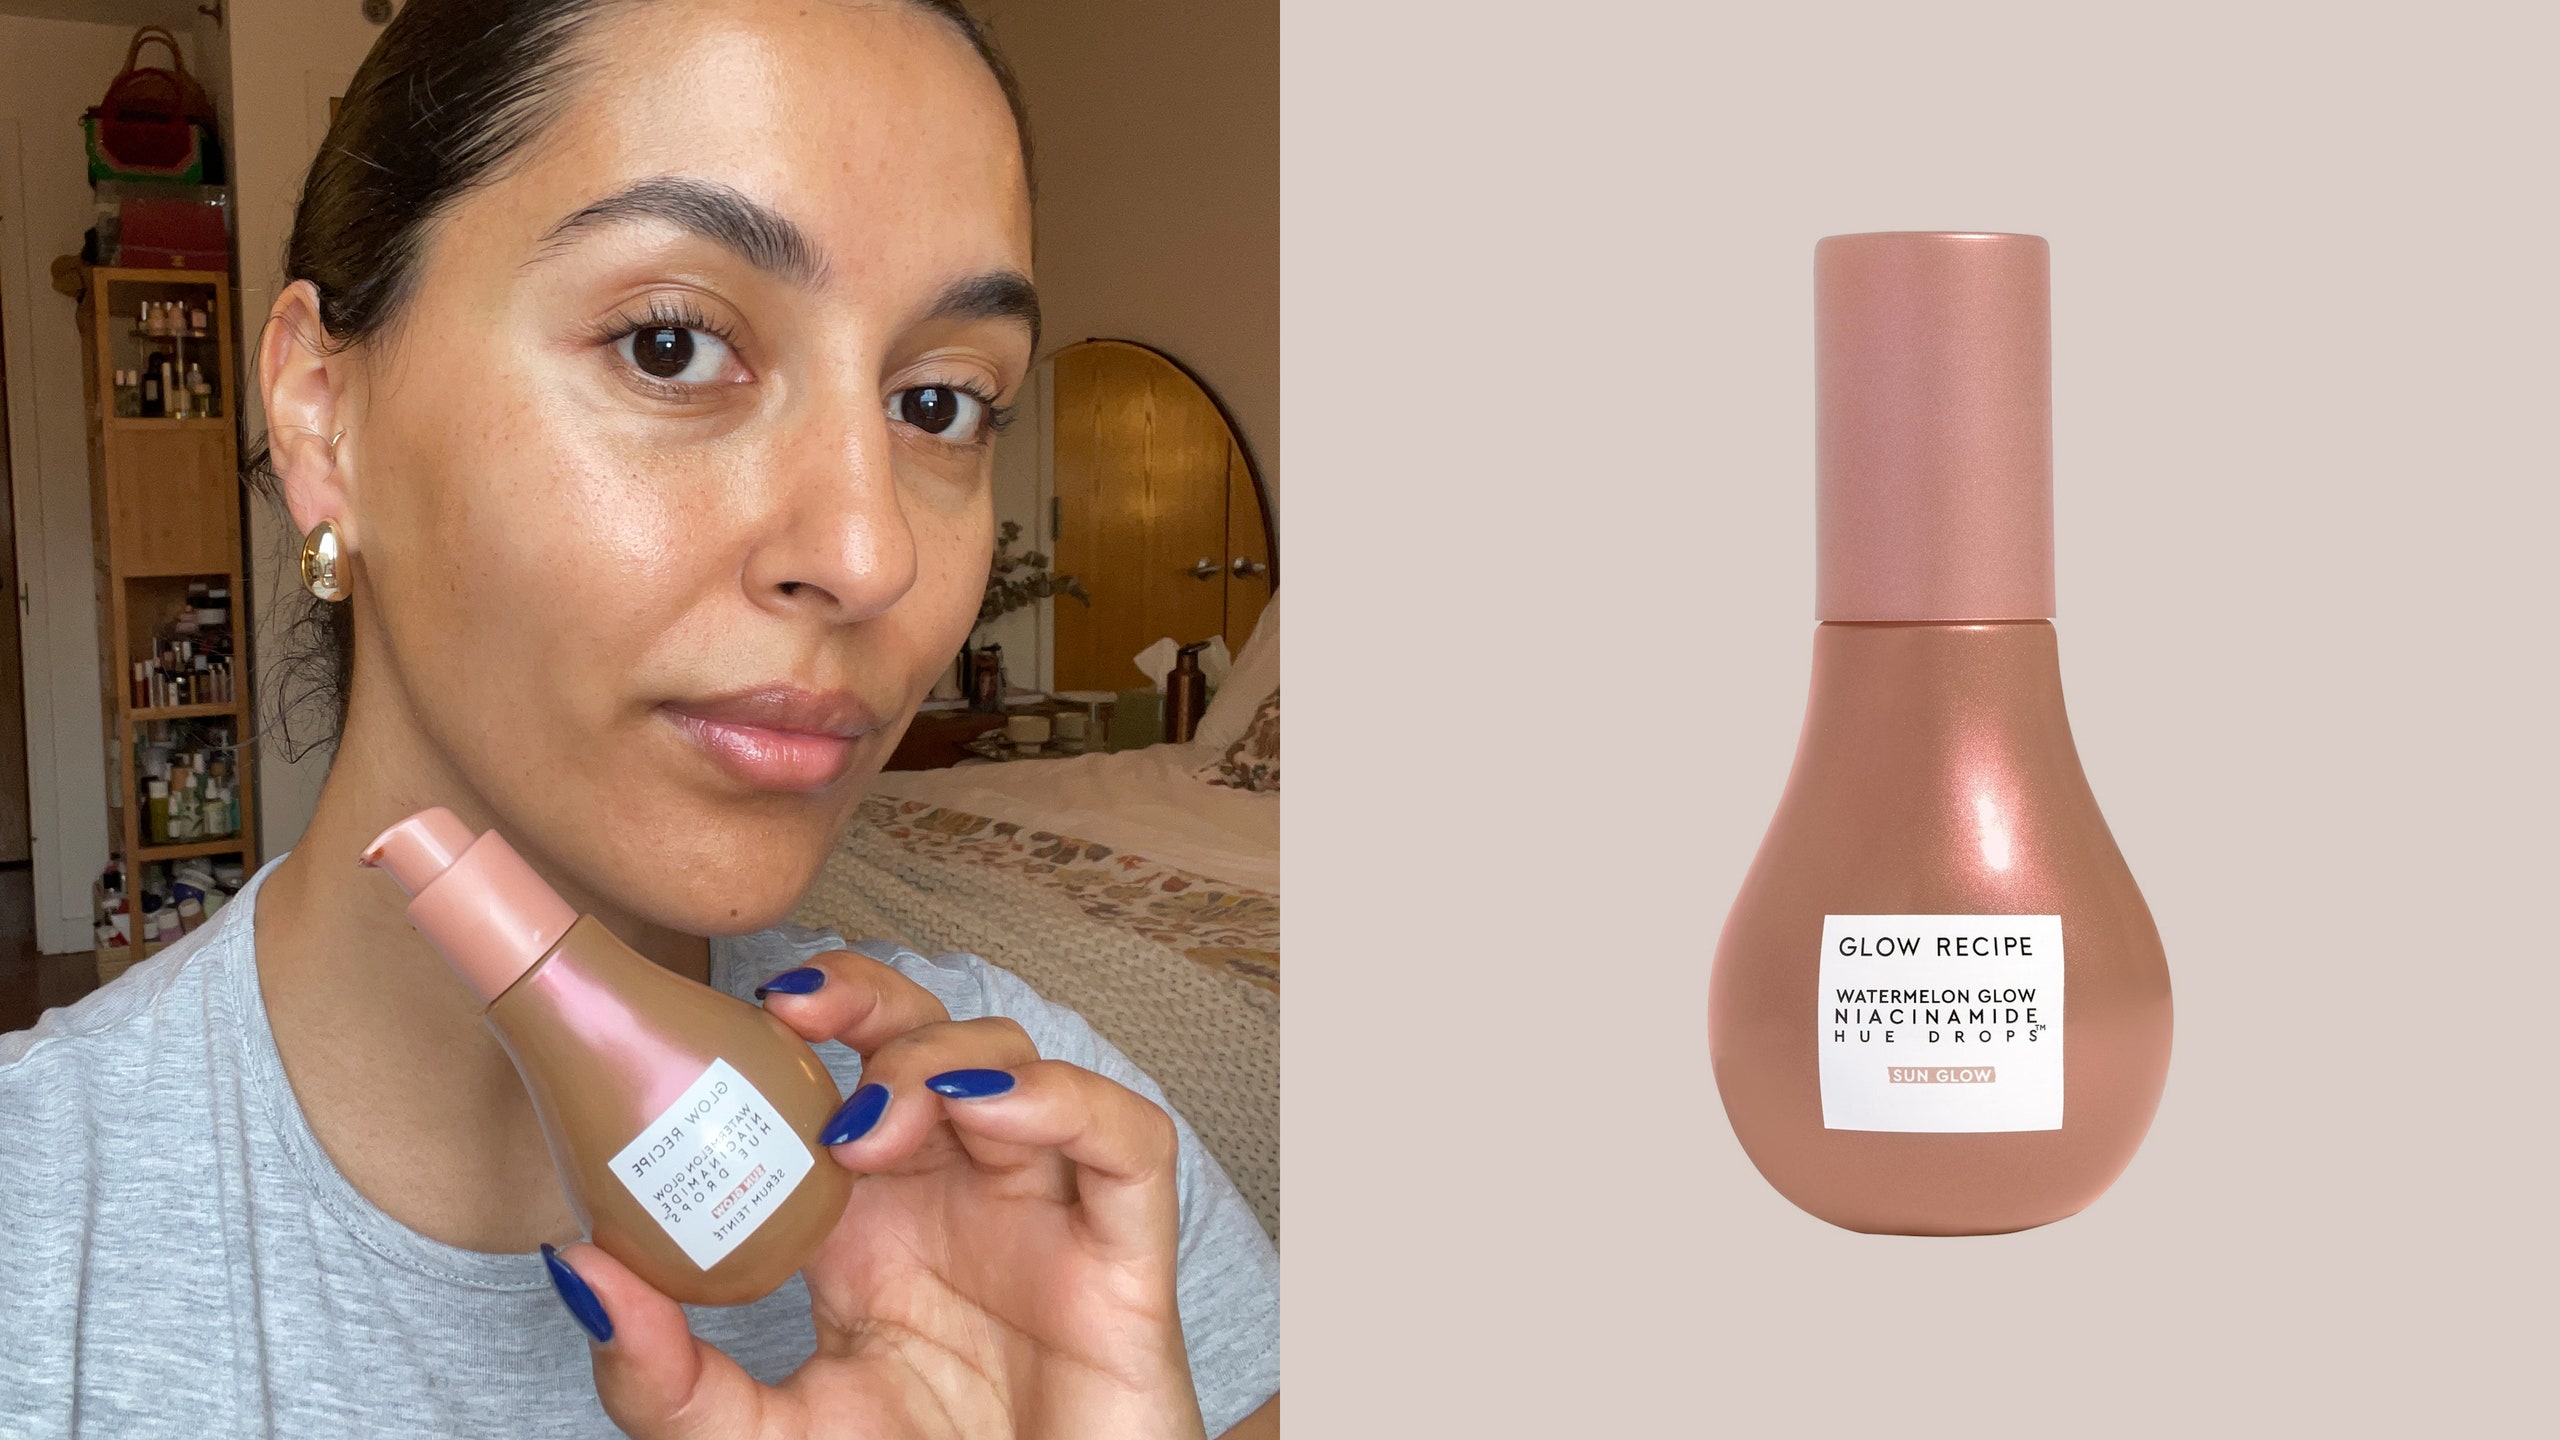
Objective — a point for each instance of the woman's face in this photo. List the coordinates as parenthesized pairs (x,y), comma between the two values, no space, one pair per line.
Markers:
(669,486)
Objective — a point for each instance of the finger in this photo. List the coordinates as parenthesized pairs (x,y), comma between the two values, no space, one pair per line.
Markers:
(1123,1146)
(892,1122)
(849,997)
(656,1380)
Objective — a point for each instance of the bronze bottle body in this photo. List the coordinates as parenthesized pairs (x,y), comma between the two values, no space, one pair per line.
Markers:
(1936,777)
(607,1043)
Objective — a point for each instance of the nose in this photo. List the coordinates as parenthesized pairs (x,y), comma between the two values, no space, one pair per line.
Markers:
(839,543)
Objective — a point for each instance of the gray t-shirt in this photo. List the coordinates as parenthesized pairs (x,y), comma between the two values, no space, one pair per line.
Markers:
(179,1256)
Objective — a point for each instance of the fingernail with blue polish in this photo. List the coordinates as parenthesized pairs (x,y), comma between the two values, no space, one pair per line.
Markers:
(583,1305)
(854,1118)
(970,1084)
(793,982)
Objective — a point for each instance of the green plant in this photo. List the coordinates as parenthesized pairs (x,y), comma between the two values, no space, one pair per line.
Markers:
(1014,581)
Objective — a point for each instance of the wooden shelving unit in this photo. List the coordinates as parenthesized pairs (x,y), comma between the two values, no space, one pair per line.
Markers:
(164,511)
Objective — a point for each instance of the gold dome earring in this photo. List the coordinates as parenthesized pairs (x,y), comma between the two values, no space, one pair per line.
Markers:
(321,553)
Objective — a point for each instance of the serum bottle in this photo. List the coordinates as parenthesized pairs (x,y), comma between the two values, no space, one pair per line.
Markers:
(683,1121)
(1939,1006)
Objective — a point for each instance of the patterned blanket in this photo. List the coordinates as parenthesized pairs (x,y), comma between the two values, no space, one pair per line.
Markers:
(1180,971)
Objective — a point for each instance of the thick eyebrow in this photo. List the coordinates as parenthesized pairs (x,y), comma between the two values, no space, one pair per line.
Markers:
(726,216)
(995,295)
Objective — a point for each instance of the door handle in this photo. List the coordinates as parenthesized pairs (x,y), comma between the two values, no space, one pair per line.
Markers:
(1246,569)
(1206,569)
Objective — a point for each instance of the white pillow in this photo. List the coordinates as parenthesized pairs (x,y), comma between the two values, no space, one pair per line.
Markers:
(1250,681)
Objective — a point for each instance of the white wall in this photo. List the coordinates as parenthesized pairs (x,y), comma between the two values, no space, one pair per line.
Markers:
(1156,126)
(178,15)
(51,71)
(1022,492)
(287,58)
(210,59)
(1157,130)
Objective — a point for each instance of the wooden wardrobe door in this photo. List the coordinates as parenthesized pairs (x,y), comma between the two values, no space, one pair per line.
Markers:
(1248,584)
(1140,461)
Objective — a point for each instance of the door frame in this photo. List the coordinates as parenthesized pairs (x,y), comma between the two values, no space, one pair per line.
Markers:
(62,903)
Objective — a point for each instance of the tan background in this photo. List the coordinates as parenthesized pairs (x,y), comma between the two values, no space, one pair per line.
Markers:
(1549,349)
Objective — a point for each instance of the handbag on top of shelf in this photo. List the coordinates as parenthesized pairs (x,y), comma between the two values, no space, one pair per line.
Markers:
(155,123)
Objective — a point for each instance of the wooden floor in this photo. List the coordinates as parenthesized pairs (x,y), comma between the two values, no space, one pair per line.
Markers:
(32,983)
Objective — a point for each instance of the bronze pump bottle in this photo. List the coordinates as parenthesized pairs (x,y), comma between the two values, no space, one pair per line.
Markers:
(1939,1006)
(683,1122)
(1186,693)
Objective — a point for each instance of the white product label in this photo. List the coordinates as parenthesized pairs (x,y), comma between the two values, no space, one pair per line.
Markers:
(1941,1022)
(715,1165)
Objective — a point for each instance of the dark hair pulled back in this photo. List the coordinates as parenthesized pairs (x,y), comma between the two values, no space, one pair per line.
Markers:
(451,92)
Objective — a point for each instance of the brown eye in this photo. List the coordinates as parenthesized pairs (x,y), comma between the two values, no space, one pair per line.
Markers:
(678,354)
(940,410)
(663,350)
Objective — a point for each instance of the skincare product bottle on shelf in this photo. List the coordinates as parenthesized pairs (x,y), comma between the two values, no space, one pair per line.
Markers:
(153,406)
(158,829)
(683,1121)
(1939,1005)
(186,804)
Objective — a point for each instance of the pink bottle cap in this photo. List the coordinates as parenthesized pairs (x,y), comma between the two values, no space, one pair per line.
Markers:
(1933,421)
(474,898)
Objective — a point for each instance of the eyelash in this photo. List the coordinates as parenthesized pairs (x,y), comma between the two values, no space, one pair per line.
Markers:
(998,417)
(664,312)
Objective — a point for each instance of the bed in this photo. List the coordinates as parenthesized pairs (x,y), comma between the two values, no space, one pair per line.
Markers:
(1131,887)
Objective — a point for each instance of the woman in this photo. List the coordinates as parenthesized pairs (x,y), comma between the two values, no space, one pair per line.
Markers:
(637,372)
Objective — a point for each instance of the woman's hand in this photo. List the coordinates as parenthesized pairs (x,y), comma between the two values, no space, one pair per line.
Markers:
(1005,1267)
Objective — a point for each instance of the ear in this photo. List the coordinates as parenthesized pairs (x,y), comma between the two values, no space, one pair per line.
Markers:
(300,388)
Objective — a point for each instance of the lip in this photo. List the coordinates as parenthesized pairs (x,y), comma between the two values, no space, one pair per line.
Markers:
(778,737)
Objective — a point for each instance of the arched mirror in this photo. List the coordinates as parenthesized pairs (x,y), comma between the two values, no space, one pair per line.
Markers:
(1155,505)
